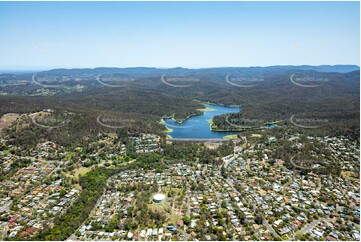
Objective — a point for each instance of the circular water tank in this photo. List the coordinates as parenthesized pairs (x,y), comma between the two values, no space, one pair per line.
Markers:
(158,198)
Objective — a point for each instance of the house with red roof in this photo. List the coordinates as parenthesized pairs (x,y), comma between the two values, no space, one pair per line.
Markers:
(13,219)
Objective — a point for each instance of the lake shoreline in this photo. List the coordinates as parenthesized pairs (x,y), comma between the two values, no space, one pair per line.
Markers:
(203,111)
(210,121)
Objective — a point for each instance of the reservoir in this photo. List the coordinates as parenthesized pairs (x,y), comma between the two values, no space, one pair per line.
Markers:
(198,127)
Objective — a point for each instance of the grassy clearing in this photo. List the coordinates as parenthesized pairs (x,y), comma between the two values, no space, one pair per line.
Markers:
(160,207)
(231,136)
(82,171)
(7,120)
(174,218)
(349,175)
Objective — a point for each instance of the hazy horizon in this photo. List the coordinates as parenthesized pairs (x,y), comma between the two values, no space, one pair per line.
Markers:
(36,68)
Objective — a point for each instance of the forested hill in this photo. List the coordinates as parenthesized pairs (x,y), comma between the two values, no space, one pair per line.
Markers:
(275,93)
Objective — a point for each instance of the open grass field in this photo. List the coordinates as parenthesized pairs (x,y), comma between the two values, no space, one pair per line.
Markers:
(349,175)
(75,173)
(7,119)
(256,136)
(231,136)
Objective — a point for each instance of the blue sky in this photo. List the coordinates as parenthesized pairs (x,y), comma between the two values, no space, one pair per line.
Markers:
(171,34)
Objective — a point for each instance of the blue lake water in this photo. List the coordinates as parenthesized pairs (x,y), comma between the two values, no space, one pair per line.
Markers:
(198,127)
(270,126)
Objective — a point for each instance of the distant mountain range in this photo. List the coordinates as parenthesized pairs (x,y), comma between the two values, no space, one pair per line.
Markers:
(202,71)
